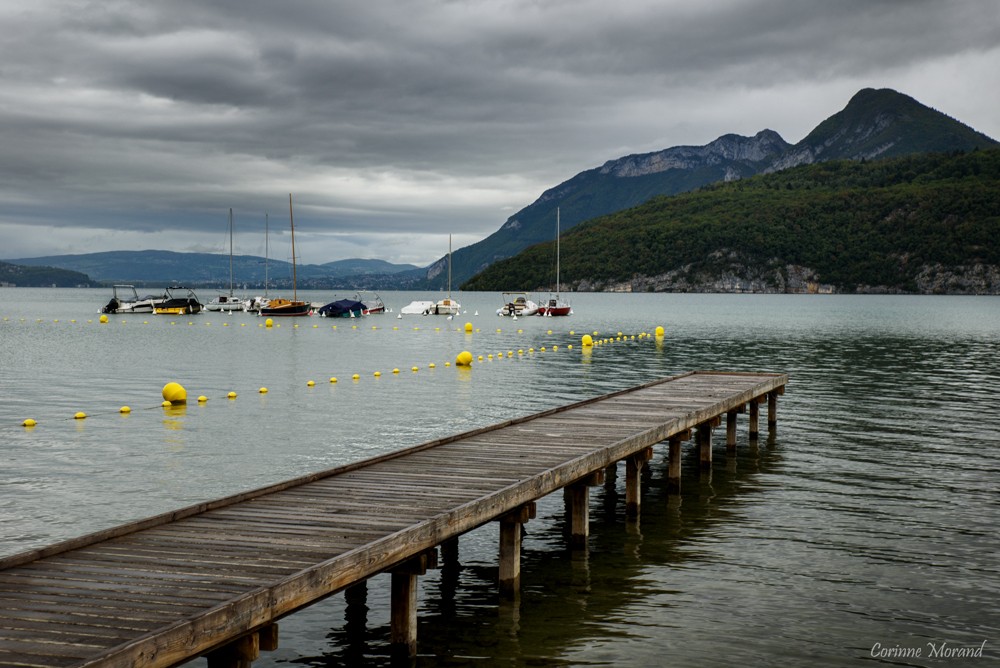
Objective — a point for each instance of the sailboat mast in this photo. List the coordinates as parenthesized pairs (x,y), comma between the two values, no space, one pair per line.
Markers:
(449,267)
(557,252)
(291,219)
(266,252)
(230,252)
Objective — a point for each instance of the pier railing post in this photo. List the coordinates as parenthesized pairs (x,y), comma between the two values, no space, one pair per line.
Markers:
(510,549)
(403,616)
(633,481)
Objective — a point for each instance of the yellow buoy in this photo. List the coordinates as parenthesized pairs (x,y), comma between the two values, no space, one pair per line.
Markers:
(378,373)
(262,390)
(659,331)
(414,368)
(356,376)
(464,358)
(569,347)
(554,348)
(480,358)
(333,379)
(586,341)
(395,370)
(269,323)
(104,319)
(549,332)
(79,416)
(311,383)
(431,365)
(468,327)
(202,399)
(175,393)
(124,409)
(166,404)
(231,395)
(29,423)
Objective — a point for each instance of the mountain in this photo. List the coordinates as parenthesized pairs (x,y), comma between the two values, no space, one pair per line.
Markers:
(916,224)
(874,124)
(42,277)
(158,268)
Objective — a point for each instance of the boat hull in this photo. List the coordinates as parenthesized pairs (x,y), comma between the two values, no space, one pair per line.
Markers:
(282,308)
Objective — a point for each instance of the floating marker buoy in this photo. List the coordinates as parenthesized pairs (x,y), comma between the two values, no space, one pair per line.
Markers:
(490,356)
(29,423)
(586,341)
(395,370)
(262,390)
(311,383)
(572,333)
(431,365)
(269,323)
(543,349)
(520,331)
(378,373)
(447,363)
(104,319)
(333,379)
(480,358)
(468,328)
(124,410)
(549,332)
(202,399)
(414,368)
(166,404)
(659,331)
(464,358)
(356,376)
(175,393)
(231,395)
(569,347)
(80,416)
(554,348)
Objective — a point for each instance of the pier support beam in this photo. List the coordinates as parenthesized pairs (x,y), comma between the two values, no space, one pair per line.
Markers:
(449,553)
(633,486)
(403,616)
(510,549)
(578,500)
(674,462)
(731,431)
(240,653)
(772,410)
(755,418)
(704,438)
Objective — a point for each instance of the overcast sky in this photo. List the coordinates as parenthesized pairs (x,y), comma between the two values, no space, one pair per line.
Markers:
(128,124)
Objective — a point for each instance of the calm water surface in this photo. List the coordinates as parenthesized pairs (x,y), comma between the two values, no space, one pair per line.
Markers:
(866,525)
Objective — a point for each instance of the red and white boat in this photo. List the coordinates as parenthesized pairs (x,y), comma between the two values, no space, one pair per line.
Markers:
(554,305)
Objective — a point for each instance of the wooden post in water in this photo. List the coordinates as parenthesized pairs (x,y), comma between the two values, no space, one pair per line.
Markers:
(731,431)
(449,552)
(674,462)
(240,653)
(772,410)
(403,616)
(754,419)
(704,438)
(579,507)
(510,549)
(633,486)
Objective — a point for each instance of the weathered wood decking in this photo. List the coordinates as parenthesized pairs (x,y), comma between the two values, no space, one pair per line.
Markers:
(160,591)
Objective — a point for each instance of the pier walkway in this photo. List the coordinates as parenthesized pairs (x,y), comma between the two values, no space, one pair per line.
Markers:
(213,579)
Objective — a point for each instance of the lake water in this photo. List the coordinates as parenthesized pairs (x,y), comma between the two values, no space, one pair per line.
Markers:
(866,528)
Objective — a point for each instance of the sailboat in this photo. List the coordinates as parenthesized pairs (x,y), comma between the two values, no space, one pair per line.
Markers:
(254,304)
(447,306)
(288,307)
(227,302)
(555,306)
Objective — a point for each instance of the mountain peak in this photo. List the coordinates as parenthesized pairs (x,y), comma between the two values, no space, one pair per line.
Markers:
(882,123)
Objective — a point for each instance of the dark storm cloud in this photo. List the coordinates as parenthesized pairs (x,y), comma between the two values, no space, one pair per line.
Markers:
(138,124)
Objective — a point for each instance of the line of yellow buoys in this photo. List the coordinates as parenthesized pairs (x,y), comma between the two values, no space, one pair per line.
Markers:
(176,395)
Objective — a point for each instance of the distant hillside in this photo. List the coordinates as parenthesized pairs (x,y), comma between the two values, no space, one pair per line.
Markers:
(158,268)
(920,224)
(42,277)
(874,124)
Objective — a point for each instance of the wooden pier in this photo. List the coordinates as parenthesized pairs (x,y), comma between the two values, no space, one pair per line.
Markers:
(213,579)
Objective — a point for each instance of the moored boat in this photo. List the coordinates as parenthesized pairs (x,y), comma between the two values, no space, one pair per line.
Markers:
(342,308)
(417,307)
(446,306)
(280,307)
(125,299)
(228,302)
(517,304)
(176,304)
(554,305)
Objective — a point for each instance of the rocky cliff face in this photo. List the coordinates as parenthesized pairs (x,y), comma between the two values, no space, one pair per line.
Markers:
(763,147)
